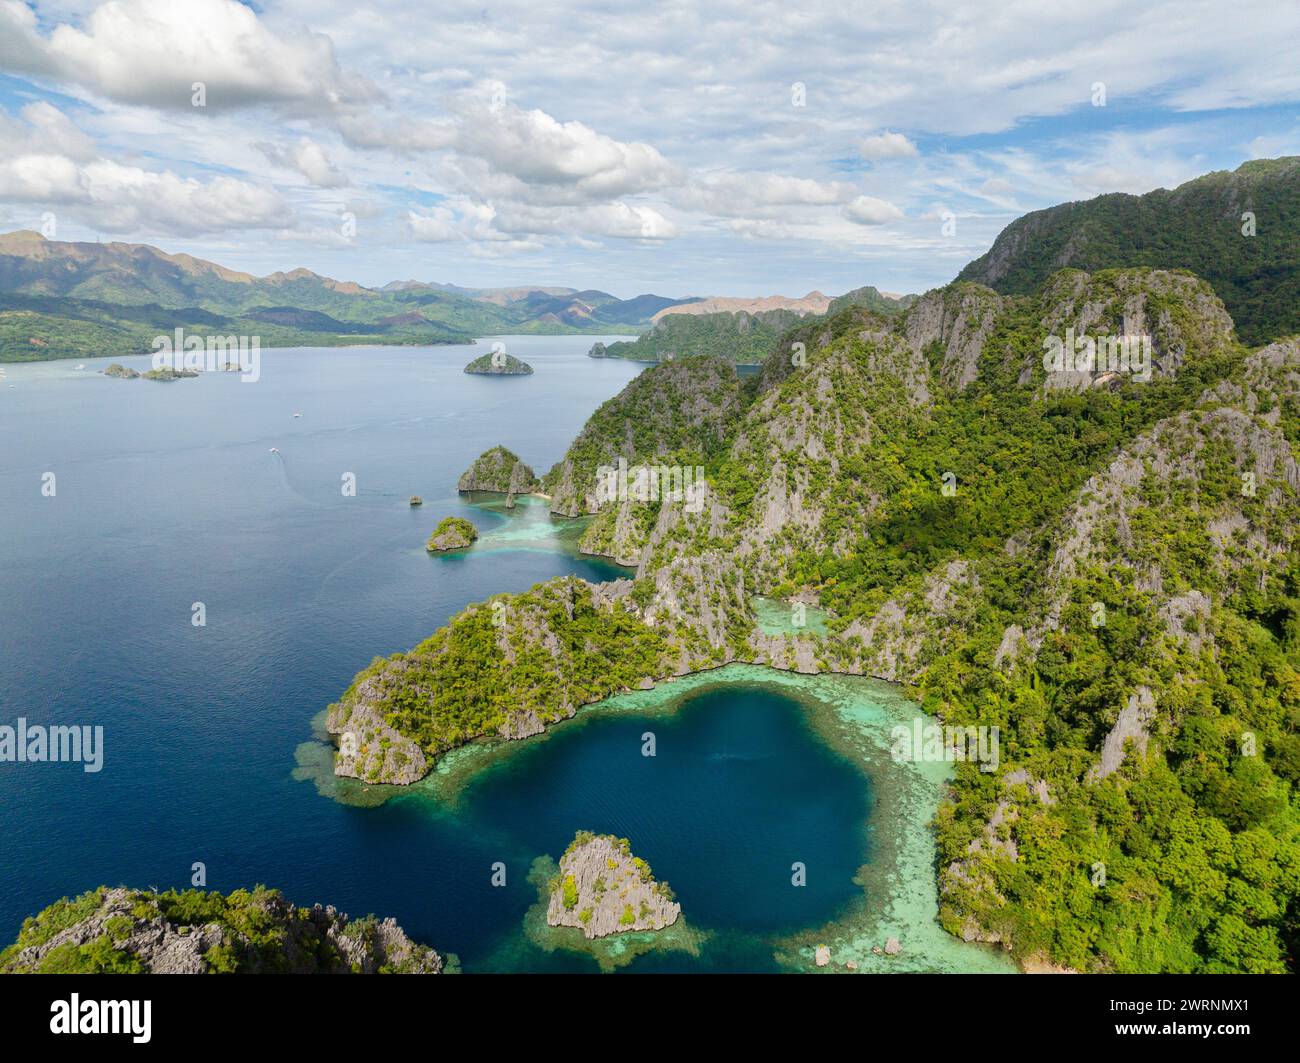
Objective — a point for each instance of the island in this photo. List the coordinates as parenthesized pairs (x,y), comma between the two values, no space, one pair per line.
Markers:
(167,373)
(257,931)
(498,363)
(416,500)
(498,471)
(452,533)
(603,889)
(117,369)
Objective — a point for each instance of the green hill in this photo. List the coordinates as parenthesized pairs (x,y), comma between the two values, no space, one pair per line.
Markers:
(1101,564)
(741,337)
(1196,226)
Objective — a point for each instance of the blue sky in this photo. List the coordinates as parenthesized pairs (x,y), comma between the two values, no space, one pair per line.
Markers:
(744,148)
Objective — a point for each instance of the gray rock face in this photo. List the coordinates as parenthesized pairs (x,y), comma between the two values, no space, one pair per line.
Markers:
(1134,719)
(692,401)
(1180,313)
(960,319)
(140,927)
(369,749)
(451,534)
(603,889)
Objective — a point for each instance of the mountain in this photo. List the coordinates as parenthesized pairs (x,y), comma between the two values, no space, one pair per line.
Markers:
(72,300)
(812,303)
(871,299)
(557,309)
(1097,560)
(1198,226)
(742,337)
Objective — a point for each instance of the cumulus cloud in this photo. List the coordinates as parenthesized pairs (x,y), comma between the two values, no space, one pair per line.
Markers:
(601,130)
(154,51)
(886,146)
(465,219)
(308,158)
(742,194)
(537,149)
(46,160)
(867,210)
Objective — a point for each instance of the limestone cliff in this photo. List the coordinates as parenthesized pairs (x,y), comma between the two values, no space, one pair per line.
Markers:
(452,533)
(125,931)
(603,889)
(499,471)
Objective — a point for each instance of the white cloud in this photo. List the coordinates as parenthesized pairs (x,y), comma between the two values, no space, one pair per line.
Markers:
(308,158)
(729,194)
(867,210)
(886,146)
(614,130)
(49,162)
(153,51)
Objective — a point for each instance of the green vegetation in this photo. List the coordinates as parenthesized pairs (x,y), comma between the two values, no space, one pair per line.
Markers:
(39,328)
(741,337)
(452,533)
(677,413)
(1102,568)
(123,931)
(63,300)
(492,665)
(869,298)
(499,364)
(500,471)
(1198,226)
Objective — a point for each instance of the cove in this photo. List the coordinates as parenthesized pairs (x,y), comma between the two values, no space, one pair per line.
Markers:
(755,770)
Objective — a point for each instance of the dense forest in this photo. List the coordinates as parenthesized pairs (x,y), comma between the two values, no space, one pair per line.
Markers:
(1100,562)
(1238,230)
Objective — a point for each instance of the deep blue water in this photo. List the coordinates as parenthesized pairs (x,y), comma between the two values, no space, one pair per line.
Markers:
(169,494)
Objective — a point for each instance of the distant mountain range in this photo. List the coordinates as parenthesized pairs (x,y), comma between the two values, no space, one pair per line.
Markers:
(744,331)
(1236,229)
(75,300)
(70,300)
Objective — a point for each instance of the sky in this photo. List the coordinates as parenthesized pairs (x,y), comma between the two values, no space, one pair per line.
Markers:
(722,148)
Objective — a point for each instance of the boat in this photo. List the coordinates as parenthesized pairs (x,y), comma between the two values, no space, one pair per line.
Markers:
(275,450)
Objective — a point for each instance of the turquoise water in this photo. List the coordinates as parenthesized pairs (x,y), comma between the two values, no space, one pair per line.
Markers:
(170,494)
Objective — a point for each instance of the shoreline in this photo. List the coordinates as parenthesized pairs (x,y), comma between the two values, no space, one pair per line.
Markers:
(852,715)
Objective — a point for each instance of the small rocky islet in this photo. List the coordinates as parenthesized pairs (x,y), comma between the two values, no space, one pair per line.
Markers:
(498,363)
(603,889)
(498,471)
(121,372)
(452,533)
(128,931)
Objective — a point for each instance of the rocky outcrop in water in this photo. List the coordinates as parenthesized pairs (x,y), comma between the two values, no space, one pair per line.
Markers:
(257,931)
(121,372)
(499,471)
(498,363)
(603,889)
(452,533)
